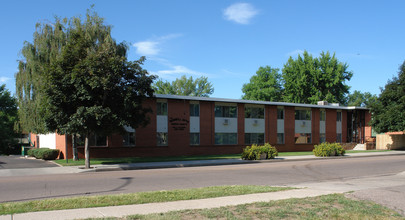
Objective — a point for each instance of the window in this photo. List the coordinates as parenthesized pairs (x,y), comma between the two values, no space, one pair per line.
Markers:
(194,110)
(129,139)
(161,108)
(225,138)
(254,138)
(303,138)
(323,115)
(280,138)
(280,113)
(302,114)
(322,138)
(161,139)
(194,138)
(94,140)
(254,112)
(225,111)
(339,116)
(339,137)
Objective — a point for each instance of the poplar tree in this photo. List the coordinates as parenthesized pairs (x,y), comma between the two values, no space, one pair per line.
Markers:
(77,80)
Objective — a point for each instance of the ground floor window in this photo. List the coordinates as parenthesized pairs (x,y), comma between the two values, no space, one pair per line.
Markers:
(194,138)
(226,138)
(129,139)
(280,138)
(162,139)
(95,140)
(339,137)
(254,138)
(303,138)
(322,138)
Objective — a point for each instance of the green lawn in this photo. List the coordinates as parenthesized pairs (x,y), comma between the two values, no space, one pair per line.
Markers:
(183,158)
(335,206)
(133,198)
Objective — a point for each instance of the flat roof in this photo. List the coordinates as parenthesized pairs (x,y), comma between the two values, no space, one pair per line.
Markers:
(209,99)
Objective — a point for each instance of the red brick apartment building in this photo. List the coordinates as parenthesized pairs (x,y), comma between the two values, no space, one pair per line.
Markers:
(184,125)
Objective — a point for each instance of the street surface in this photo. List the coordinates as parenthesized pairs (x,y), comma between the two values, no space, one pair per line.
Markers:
(275,174)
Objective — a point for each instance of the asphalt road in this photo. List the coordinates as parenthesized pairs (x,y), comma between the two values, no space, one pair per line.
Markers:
(16,162)
(278,173)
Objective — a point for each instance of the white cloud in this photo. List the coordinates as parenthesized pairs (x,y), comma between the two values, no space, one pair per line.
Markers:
(240,13)
(177,70)
(3,79)
(147,48)
(151,47)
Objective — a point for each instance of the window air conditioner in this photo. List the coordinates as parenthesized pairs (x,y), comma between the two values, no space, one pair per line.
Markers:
(226,121)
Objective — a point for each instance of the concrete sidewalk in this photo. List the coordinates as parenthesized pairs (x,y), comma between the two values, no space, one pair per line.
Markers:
(310,190)
(175,164)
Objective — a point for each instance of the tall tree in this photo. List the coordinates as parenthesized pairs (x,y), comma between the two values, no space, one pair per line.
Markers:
(264,86)
(358,98)
(8,117)
(308,79)
(87,86)
(388,111)
(185,86)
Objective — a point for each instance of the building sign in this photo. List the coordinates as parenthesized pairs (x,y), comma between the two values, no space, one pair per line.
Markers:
(178,124)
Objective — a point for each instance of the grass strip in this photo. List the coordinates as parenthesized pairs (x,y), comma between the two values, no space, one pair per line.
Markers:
(133,198)
(335,206)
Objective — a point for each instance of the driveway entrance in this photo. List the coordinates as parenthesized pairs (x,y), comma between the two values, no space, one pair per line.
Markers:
(18,162)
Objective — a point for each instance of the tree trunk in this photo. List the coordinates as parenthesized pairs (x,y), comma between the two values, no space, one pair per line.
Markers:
(87,152)
(74,147)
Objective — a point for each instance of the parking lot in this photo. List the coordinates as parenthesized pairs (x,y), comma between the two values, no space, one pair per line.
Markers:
(19,162)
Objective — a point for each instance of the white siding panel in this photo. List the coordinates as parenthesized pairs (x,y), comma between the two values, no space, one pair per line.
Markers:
(161,121)
(47,141)
(302,126)
(254,125)
(322,127)
(222,127)
(194,124)
(280,125)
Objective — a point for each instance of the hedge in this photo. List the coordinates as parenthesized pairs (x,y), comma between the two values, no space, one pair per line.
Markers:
(43,153)
(328,149)
(254,152)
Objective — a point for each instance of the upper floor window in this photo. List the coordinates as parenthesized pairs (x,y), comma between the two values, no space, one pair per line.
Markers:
(302,114)
(194,110)
(161,108)
(339,116)
(254,112)
(225,111)
(280,113)
(323,115)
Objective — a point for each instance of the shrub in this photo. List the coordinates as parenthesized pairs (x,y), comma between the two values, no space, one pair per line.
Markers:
(254,152)
(329,149)
(43,153)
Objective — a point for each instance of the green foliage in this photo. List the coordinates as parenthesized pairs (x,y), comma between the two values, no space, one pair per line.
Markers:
(185,86)
(328,149)
(8,118)
(388,111)
(264,86)
(308,79)
(358,98)
(254,152)
(43,153)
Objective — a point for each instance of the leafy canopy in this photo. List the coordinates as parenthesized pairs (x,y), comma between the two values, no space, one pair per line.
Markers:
(308,79)
(264,86)
(185,86)
(388,111)
(358,98)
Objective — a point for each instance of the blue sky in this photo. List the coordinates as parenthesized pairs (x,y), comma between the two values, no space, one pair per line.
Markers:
(228,41)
